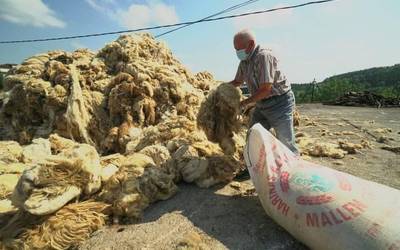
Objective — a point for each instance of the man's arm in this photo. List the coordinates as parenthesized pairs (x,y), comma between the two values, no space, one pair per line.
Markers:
(266,77)
(239,77)
(263,91)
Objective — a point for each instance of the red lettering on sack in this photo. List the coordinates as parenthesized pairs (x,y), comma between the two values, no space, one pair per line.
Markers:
(358,204)
(344,216)
(274,199)
(374,230)
(277,201)
(325,219)
(284,181)
(344,184)
(279,162)
(280,205)
(395,246)
(274,169)
(314,200)
(261,159)
(312,220)
(346,212)
(285,210)
(278,165)
(336,220)
(351,210)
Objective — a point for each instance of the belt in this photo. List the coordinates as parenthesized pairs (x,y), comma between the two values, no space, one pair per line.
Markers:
(275,96)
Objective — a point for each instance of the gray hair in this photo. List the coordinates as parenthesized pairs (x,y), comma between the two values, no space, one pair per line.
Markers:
(245,34)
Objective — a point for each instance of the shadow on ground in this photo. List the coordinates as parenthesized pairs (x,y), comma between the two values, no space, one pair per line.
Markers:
(225,218)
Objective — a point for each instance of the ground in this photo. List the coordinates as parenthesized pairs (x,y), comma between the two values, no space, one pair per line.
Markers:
(231,217)
(373,164)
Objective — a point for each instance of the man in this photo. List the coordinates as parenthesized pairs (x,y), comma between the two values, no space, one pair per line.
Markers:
(268,87)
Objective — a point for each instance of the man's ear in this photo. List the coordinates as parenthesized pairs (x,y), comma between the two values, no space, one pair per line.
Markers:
(250,46)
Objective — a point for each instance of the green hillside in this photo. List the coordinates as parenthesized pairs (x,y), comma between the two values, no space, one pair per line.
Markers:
(380,80)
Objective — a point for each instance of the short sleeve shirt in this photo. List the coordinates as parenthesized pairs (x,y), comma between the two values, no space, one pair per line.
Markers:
(262,67)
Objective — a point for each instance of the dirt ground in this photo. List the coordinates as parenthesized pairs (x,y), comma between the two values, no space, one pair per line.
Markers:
(373,164)
(231,217)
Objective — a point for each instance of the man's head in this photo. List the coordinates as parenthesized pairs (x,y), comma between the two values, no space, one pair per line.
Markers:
(244,42)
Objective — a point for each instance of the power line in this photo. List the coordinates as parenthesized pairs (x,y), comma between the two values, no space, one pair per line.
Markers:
(234,7)
(167,25)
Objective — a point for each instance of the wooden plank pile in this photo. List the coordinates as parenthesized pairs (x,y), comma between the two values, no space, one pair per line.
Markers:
(364,99)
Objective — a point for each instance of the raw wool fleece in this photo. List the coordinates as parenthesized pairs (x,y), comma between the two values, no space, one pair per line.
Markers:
(49,185)
(36,152)
(10,152)
(337,150)
(136,184)
(14,159)
(172,133)
(65,229)
(132,97)
(218,116)
(158,153)
(133,82)
(7,185)
(202,163)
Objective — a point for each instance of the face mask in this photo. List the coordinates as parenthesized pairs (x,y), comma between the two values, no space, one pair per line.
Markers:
(241,54)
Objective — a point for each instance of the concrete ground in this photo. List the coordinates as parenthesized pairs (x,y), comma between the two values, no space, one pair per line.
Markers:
(231,217)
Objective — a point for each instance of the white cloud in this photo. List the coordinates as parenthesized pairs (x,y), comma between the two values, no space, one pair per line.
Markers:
(151,12)
(29,12)
(76,44)
(104,6)
(143,15)
(96,5)
(265,20)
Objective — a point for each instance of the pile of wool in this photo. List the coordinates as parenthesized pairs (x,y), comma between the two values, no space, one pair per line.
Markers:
(38,94)
(383,130)
(219,116)
(52,183)
(39,180)
(353,148)
(118,126)
(74,171)
(64,229)
(314,147)
(10,152)
(203,163)
(7,185)
(296,118)
(137,183)
(10,168)
(14,160)
(171,133)
(334,149)
(131,83)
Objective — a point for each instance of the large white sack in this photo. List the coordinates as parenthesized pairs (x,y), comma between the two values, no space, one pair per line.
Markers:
(322,207)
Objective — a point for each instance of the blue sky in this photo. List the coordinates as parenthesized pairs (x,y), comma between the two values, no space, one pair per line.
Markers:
(316,41)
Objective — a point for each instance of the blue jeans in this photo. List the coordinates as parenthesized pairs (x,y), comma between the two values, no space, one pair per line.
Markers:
(277,112)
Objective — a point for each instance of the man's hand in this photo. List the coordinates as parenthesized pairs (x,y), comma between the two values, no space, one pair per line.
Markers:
(243,105)
(262,92)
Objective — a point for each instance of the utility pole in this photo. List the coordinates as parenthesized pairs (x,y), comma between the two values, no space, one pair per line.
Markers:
(313,87)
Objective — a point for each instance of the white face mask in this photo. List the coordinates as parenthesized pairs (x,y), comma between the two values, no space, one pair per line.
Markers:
(241,54)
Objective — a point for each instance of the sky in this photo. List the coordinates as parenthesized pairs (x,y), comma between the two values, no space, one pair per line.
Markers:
(311,42)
